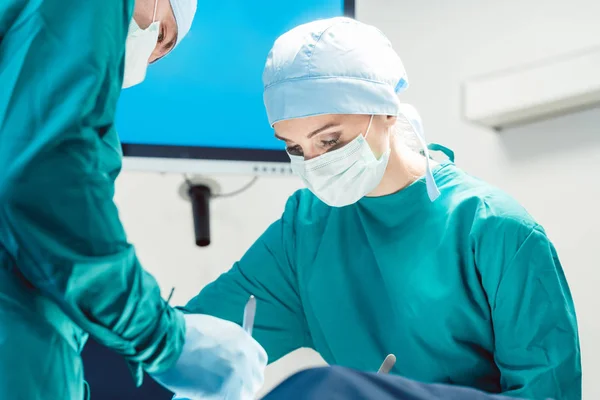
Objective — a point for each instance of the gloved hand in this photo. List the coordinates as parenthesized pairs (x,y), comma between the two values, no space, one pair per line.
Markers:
(219,361)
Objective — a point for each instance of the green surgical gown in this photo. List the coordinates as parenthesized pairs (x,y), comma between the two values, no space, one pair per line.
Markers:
(466,290)
(66,268)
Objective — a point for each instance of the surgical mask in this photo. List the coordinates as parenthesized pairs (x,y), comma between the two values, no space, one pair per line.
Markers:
(344,176)
(138,49)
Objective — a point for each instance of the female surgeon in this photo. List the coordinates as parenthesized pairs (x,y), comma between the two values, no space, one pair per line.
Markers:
(66,268)
(388,251)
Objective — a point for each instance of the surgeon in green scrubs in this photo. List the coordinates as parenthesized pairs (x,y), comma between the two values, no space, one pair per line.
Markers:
(388,251)
(66,269)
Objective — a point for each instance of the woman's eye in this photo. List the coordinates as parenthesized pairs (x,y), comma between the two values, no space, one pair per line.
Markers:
(295,150)
(161,36)
(330,143)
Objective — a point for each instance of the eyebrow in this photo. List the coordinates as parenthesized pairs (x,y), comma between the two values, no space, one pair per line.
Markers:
(313,133)
(321,129)
(169,46)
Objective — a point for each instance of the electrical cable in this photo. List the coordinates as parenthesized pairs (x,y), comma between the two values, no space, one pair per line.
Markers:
(230,194)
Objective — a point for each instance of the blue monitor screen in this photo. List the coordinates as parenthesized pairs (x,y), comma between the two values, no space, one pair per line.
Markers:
(208,92)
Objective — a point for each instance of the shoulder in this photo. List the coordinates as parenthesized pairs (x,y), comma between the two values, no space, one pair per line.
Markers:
(498,228)
(489,210)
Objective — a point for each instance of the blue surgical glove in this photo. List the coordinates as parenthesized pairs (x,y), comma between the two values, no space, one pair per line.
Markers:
(219,361)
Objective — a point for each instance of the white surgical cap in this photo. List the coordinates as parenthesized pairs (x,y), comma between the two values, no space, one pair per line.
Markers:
(338,66)
(184,11)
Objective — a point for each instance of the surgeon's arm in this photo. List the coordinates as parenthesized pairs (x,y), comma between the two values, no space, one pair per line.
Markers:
(537,343)
(266,271)
(61,64)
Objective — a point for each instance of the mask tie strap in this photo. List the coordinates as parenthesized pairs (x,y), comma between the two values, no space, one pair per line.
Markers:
(155,7)
(369,126)
(413,118)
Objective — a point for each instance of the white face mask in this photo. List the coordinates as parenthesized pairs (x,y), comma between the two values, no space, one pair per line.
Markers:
(138,49)
(344,176)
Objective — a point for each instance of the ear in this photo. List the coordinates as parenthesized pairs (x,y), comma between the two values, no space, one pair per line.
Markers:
(390,120)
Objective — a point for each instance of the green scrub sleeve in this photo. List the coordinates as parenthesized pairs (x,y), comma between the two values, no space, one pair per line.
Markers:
(533,315)
(61,67)
(267,272)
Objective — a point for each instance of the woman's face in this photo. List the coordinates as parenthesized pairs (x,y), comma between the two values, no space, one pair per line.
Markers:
(311,137)
(167,37)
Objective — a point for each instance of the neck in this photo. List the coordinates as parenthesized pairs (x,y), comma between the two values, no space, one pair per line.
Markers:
(404,167)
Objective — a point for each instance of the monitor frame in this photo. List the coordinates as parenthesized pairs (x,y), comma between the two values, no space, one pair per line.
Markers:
(210,160)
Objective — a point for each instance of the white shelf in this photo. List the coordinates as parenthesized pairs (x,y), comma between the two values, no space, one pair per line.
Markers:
(534,92)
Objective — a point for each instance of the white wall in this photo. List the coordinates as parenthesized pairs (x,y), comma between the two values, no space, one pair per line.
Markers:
(552,167)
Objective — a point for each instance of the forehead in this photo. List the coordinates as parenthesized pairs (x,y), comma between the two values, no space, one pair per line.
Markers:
(303,126)
(307,123)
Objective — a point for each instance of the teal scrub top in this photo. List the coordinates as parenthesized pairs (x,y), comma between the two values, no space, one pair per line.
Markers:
(466,290)
(61,71)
